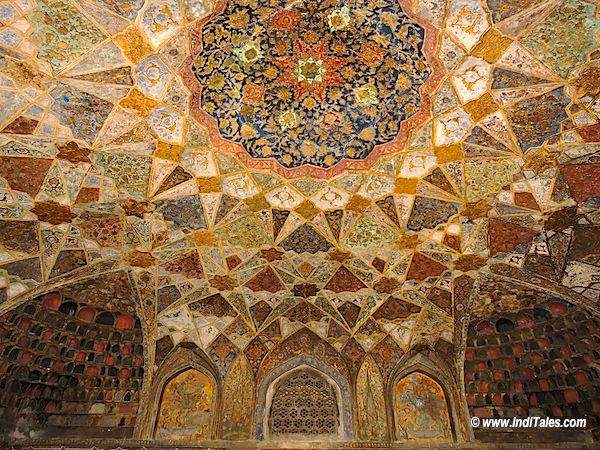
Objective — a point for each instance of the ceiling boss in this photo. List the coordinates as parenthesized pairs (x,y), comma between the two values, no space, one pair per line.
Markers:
(310,82)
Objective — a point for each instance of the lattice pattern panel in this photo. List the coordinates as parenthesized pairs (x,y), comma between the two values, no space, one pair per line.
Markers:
(304,404)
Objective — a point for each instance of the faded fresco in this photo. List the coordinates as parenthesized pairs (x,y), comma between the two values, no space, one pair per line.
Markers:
(238,401)
(420,409)
(186,408)
(372,422)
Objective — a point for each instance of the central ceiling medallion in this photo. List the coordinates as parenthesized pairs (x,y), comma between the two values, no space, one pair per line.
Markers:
(311,85)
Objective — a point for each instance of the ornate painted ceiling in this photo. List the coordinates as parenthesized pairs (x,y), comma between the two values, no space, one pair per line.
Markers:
(251,169)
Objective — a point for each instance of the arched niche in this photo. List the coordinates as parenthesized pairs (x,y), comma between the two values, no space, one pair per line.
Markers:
(420,409)
(186,408)
(304,403)
(182,368)
(334,388)
(439,390)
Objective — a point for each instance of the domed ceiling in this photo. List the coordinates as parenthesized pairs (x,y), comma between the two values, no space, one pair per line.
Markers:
(312,84)
(251,169)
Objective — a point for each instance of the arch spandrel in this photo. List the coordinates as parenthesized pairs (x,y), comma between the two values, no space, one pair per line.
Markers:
(238,401)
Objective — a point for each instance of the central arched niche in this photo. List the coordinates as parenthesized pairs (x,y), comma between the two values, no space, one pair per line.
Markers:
(304,398)
(304,402)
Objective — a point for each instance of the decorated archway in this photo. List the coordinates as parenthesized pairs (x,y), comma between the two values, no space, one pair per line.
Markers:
(424,402)
(304,403)
(420,409)
(185,399)
(187,407)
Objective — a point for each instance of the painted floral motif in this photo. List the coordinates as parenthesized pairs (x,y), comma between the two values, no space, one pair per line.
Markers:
(420,409)
(238,399)
(371,403)
(186,408)
(311,83)
(63,32)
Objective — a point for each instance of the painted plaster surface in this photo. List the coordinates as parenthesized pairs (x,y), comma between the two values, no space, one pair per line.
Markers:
(421,409)
(186,408)
(350,181)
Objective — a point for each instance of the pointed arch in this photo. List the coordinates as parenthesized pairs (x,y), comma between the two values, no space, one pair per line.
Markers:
(420,407)
(186,408)
(435,369)
(305,362)
(181,360)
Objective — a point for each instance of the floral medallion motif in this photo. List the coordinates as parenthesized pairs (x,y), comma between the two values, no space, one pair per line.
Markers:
(312,82)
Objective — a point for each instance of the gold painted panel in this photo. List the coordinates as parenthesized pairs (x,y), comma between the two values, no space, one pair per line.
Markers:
(372,425)
(186,407)
(238,401)
(421,410)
